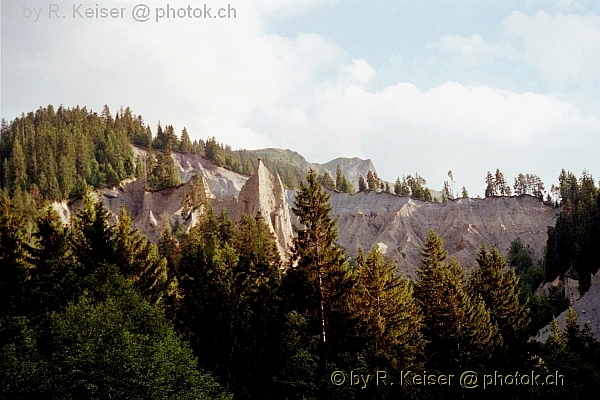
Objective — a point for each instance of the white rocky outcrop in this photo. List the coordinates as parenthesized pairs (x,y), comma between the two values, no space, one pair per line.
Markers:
(398,225)
(401,224)
(265,193)
(587,309)
(223,183)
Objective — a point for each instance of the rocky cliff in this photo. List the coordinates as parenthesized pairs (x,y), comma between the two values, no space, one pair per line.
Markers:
(265,193)
(399,225)
(146,208)
(587,309)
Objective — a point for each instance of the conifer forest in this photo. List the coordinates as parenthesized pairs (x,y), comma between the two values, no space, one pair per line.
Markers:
(92,309)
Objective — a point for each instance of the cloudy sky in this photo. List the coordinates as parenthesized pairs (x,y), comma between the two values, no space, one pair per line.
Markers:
(416,86)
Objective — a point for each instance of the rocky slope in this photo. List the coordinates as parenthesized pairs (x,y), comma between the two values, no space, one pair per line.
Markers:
(399,225)
(587,309)
(263,193)
(352,168)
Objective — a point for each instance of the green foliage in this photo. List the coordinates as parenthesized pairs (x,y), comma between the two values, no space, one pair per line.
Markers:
(164,173)
(362,186)
(326,181)
(58,150)
(575,238)
(498,287)
(496,185)
(464,193)
(545,307)
(414,187)
(116,345)
(315,254)
(529,184)
(229,280)
(573,355)
(390,321)
(458,326)
(372,181)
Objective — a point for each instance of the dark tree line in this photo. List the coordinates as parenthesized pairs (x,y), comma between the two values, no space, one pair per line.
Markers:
(574,240)
(92,309)
(55,154)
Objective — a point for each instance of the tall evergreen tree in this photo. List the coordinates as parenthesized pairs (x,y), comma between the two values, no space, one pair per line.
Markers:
(326,180)
(339,178)
(318,265)
(457,324)
(17,167)
(498,287)
(372,181)
(140,261)
(390,318)
(185,145)
(362,186)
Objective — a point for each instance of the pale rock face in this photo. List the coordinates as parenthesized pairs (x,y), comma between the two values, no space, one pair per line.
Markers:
(265,193)
(400,225)
(146,208)
(223,183)
(587,309)
(396,225)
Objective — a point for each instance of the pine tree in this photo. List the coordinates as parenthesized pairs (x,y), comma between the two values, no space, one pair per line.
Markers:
(339,178)
(362,186)
(185,146)
(390,319)
(51,284)
(195,197)
(464,194)
(139,260)
(498,286)
(372,181)
(446,192)
(326,181)
(490,188)
(17,167)
(14,259)
(457,325)
(92,237)
(318,264)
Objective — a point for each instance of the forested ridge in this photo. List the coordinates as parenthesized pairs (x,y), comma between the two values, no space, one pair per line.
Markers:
(96,311)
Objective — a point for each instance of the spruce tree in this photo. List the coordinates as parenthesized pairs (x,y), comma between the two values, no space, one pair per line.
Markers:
(91,236)
(339,178)
(490,188)
(362,186)
(390,319)
(498,286)
(326,181)
(185,145)
(457,324)
(318,275)
(139,260)
(372,181)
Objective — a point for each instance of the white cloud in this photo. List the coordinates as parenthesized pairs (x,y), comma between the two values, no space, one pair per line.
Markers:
(474,50)
(287,8)
(567,4)
(564,48)
(250,89)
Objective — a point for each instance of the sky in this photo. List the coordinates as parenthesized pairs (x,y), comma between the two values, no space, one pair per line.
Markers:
(416,86)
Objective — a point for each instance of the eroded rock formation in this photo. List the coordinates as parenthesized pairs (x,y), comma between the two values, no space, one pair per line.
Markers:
(265,193)
(399,225)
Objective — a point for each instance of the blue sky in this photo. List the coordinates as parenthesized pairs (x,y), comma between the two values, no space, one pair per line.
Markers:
(423,86)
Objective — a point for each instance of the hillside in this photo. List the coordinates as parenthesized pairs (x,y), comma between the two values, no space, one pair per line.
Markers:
(397,225)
